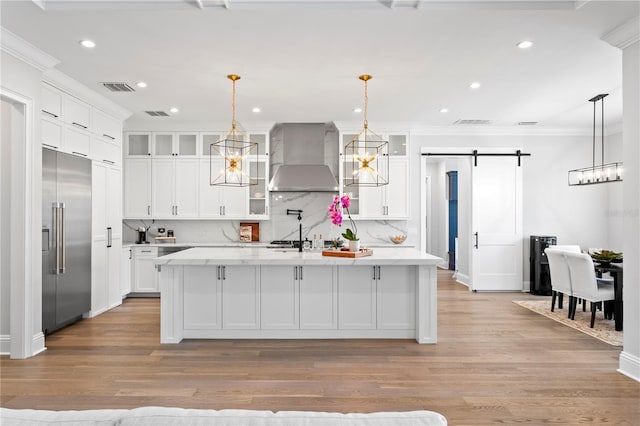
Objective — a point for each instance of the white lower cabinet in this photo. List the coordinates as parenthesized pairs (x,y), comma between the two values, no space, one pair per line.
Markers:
(396,309)
(318,298)
(298,297)
(125,271)
(145,279)
(202,299)
(241,296)
(356,297)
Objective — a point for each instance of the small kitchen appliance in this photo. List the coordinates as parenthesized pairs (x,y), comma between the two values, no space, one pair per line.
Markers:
(142,236)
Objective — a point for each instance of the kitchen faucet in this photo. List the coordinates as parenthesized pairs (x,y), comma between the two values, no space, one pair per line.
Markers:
(299,213)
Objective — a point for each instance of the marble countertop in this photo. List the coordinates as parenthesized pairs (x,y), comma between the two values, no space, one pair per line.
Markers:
(244,244)
(202,256)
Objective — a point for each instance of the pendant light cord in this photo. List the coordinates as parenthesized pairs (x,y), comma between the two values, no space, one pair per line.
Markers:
(366,103)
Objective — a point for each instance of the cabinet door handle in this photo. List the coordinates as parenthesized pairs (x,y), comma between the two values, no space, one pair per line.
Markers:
(108,161)
(295,273)
(176,210)
(218,272)
(109,236)
(374,272)
(224,272)
(378,272)
(129,253)
(224,210)
(108,136)
(50,114)
(50,146)
(82,126)
(78,153)
(148,210)
(476,244)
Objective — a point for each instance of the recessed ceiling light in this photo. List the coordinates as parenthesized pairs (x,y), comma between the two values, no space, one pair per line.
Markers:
(256,109)
(357,109)
(444,110)
(474,85)
(525,44)
(141,84)
(174,110)
(88,44)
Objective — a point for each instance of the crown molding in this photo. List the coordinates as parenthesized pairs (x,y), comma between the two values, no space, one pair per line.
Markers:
(25,51)
(72,87)
(624,35)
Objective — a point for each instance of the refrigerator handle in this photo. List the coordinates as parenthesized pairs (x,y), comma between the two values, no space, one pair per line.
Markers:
(63,256)
(56,237)
(109,236)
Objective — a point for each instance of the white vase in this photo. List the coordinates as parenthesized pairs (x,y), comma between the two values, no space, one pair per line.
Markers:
(354,245)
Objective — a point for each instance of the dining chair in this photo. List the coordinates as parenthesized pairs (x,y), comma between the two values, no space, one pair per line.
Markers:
(560,277)
(585,284)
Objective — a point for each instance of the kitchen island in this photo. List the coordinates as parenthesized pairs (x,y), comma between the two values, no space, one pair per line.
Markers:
(255,293)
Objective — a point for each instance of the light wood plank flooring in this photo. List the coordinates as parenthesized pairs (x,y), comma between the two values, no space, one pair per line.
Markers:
(495,363)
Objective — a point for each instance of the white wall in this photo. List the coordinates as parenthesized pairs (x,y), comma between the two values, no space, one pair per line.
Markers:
(615,216)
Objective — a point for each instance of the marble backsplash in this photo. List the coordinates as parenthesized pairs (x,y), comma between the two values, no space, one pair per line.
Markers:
(314,206)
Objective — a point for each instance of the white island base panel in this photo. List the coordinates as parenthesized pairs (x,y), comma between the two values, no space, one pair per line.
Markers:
(225,296)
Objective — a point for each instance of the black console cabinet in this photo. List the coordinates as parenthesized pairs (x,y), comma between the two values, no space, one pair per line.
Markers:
(539,277)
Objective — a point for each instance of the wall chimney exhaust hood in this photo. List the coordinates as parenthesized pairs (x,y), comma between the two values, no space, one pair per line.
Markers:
(304,157)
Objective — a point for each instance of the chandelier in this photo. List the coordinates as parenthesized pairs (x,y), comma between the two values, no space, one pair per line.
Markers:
(602,173)
(232,151)
(367,155)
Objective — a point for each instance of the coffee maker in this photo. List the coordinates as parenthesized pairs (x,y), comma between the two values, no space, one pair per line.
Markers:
(142,236)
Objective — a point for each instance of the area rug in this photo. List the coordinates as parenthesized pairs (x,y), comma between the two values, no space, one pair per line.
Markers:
(602,329)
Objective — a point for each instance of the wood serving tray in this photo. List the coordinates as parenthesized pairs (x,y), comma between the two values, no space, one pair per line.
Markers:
(352,254)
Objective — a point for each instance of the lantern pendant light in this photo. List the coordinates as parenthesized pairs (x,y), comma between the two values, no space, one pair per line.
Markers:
(367,155)
(235,148)
(603,173)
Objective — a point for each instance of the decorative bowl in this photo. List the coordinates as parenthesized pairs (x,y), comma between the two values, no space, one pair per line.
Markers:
(398,238)
(606,256)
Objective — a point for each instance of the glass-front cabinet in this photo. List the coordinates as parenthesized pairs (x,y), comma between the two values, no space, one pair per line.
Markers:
(259,172)
(175,144)
(137,144)
(389,201)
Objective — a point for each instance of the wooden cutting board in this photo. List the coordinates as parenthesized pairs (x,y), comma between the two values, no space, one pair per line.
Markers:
(352,254)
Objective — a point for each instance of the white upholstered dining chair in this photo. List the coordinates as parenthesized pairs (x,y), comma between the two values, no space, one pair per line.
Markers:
(585,284)
(560,277)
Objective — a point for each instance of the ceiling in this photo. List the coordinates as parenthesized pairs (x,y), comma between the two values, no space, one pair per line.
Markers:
(300,60)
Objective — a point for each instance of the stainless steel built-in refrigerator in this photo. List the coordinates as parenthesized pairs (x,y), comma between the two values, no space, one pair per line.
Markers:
(66,239)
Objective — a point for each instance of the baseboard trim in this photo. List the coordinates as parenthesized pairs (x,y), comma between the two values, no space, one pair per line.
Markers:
(37,344)
(5,344)
(629,366)
(463,279)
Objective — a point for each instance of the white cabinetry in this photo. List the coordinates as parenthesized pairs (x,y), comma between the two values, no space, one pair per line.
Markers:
(174,185)
(76,113)
(125,271)
(202,299)
(106,238)
(145,279)
(356,297)
(106,127)
(318,298)
(396,309)
(173,144)
(137,188)
(168,175)
(383,202)
(51,101)
(241,295)
(77,141)
(52,132)
(216,201)
(279,297)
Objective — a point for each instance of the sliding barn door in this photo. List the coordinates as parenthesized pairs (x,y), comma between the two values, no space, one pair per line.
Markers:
(496,220)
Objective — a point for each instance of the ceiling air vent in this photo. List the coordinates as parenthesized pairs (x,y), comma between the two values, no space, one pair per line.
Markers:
(118,87)
(472,122)
(527,123)
(157,113)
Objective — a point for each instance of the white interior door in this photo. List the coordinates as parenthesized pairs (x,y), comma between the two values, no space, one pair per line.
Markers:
(496,220)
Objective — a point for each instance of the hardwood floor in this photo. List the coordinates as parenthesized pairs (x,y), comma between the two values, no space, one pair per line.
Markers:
(495,363)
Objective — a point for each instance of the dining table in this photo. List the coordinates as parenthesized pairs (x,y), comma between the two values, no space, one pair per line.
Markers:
(615,270)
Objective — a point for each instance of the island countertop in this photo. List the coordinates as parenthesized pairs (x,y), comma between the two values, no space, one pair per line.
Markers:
(202,256)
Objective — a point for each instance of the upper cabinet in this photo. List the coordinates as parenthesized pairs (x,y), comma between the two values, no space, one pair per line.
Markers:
(51,101)
(73,126)
(137,144)
(187,193)
(385,202)
(175,144)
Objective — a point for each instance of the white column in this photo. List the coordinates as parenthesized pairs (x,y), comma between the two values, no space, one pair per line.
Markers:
(627,38)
